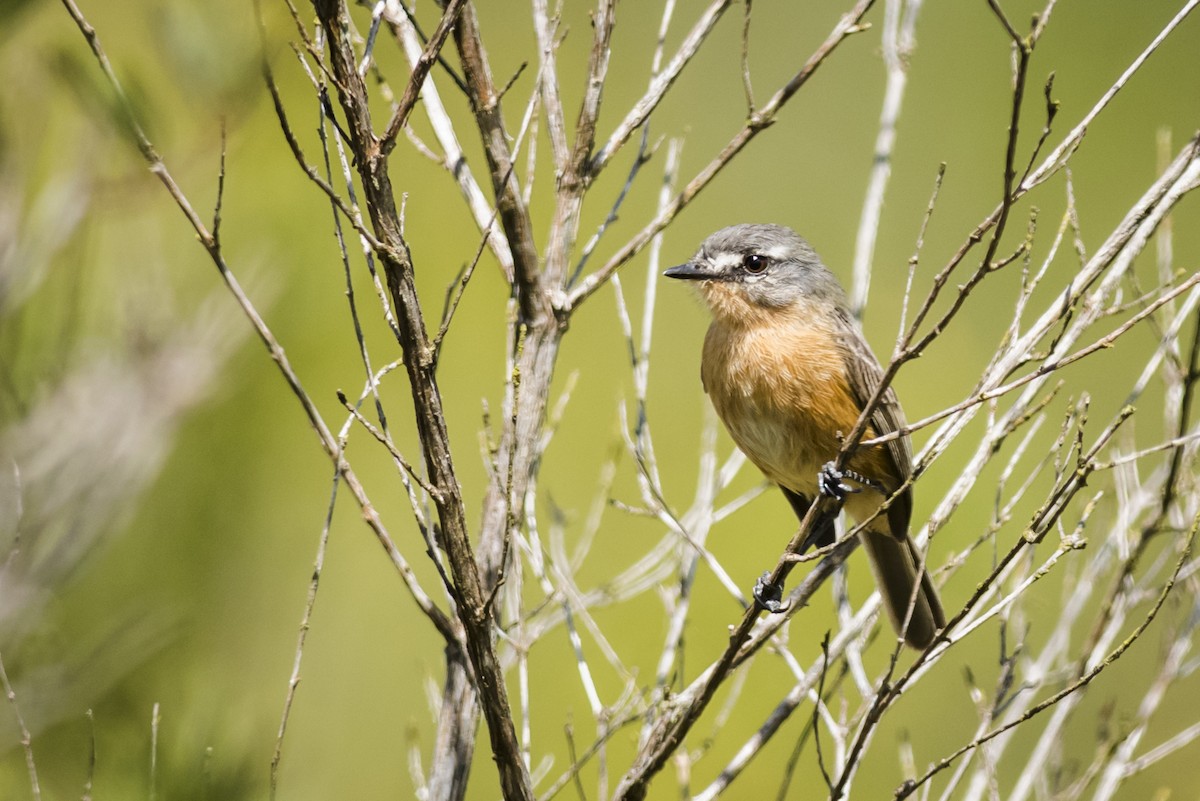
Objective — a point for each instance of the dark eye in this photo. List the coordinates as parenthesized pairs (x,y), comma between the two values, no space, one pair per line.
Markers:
(755,263)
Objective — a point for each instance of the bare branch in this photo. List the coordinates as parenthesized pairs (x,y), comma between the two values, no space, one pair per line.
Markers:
(659,85)
(26,737)
(419,71)
(899,40)
(908,788)
(427,401)
(848,25)
(514,216)
(274,349)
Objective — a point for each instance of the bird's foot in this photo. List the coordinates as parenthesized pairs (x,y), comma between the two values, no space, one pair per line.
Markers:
(769,596)
(831,482)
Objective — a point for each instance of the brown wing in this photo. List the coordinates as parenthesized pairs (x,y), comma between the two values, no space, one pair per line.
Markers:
(864,374)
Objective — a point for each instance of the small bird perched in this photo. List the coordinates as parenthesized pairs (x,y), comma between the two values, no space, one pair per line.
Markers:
(788,371)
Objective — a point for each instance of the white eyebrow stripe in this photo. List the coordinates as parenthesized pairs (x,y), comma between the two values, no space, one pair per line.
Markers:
(727,260)
(778,253)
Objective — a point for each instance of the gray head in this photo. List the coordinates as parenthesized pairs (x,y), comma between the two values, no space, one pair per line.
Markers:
(747,267)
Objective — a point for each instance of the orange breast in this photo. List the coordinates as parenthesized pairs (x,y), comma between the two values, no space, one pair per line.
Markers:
(779,386)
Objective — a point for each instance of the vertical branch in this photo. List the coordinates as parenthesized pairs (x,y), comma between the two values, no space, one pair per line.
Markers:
(473,609)
(573,181)
(458,720)
(305,624)
(662,81)
(585,126)
(747,83)
(514,215)
(26,737)
(540,330)
(420,71)
(898,43)
(551,96)
(453,159)
(848,25)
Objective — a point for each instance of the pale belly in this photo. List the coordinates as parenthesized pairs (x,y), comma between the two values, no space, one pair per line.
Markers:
(783,398)
(787,453)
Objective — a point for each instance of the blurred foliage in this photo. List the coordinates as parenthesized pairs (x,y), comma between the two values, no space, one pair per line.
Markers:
(165,547)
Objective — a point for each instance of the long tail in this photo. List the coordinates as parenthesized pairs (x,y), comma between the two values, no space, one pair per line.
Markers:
(894,563)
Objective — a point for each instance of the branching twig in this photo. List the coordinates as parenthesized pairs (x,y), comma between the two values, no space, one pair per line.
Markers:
(430,421)
(908,788)
(848,25)
(420,70)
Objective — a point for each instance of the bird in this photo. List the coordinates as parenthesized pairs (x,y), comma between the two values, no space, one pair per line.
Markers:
(788,370)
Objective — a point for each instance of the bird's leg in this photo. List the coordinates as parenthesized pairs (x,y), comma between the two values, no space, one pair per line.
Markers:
(831,482)
(769,596)
(866,482)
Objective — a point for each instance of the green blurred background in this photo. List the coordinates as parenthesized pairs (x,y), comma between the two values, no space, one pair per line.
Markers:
(182,576)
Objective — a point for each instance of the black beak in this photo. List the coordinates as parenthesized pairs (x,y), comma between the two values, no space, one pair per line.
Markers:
(689,270)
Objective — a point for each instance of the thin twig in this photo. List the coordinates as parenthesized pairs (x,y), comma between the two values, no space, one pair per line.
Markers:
(899,40)
(417,77)
(909,787)
(305,623)
(847,26)
(26,737)
(274,349)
